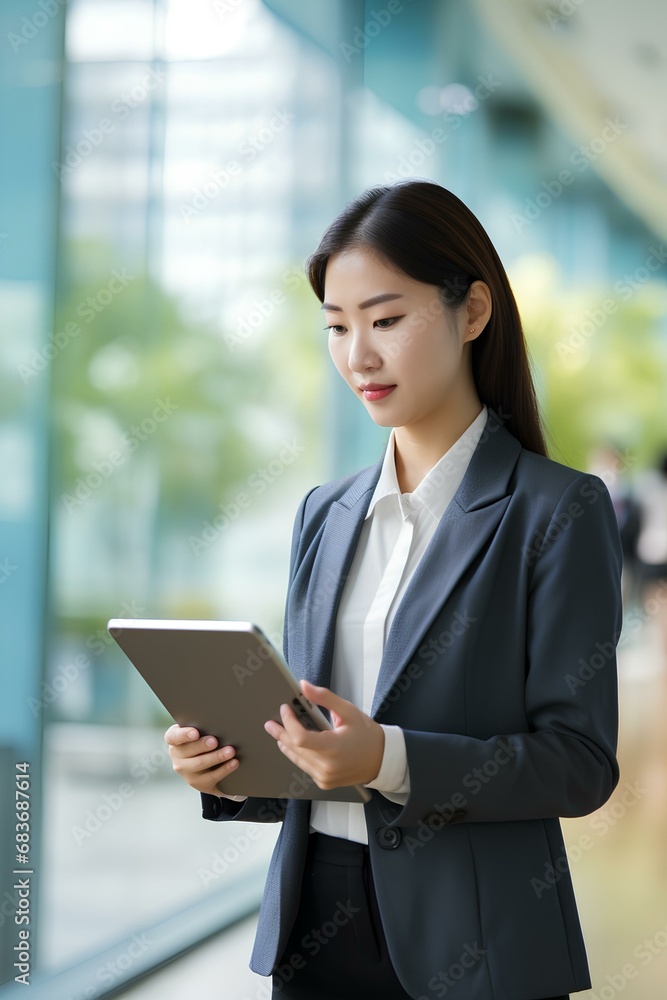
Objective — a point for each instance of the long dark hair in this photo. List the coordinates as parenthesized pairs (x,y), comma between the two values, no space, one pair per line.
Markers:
(425,231)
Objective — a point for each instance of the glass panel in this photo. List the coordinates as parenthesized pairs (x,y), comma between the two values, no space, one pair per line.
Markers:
(30,71)
(189,372)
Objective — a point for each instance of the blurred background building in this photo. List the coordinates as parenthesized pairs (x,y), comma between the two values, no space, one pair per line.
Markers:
(166,166)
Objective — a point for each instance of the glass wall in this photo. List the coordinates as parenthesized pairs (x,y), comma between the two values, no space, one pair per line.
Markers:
(189,376)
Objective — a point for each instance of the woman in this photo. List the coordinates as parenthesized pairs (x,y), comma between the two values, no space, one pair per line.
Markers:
(455,607)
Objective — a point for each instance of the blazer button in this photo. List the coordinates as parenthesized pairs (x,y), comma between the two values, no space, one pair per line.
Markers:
(388,837)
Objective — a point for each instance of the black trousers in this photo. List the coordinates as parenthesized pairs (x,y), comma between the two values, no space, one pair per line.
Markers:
(337,949)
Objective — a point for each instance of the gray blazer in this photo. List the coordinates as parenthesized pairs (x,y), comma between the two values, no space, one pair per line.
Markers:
(500,667)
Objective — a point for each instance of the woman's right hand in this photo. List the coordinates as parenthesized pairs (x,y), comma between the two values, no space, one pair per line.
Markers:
(199,760)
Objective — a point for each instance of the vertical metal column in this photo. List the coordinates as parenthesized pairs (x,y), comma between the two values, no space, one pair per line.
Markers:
(31,61)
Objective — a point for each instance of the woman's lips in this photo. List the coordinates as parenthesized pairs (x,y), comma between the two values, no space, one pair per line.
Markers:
(374,392)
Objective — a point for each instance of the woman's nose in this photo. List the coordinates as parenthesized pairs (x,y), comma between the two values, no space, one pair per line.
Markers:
(362,354)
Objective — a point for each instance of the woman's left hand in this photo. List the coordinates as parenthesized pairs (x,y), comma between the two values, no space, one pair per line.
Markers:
(349,754)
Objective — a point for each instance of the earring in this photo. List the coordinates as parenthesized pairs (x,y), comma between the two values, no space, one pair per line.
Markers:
(471,329)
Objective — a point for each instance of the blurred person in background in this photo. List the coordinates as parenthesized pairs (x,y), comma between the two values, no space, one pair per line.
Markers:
(652,544)
(466,591)
(608,463)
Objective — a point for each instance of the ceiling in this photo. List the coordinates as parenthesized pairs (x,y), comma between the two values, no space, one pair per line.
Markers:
(588,61)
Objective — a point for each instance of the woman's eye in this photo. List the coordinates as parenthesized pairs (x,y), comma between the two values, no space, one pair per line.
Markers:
(382,324)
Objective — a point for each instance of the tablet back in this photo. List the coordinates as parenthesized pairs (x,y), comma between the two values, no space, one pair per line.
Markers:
(226,679)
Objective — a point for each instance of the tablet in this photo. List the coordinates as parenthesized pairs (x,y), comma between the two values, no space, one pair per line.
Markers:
(226,679)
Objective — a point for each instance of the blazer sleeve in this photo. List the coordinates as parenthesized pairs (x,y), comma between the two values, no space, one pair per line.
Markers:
(256,809)
(565,764)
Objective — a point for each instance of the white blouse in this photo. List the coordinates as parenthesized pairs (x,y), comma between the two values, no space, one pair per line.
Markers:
(395,534)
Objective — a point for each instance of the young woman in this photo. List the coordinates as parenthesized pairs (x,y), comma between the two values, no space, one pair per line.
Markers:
(455,607)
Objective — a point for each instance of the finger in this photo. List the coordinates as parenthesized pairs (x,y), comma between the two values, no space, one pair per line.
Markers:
(326,697)
(340,711)
(304,761)
(176,735)
(207,781)
(217,775)
(274,728)
(318,694)
(201,746)
(292,753)
(295,732)
(205,762)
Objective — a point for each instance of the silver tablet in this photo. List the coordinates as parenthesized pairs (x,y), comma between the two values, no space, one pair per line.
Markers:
(225,678)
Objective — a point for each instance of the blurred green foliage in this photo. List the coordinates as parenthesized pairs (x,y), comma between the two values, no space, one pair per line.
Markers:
(231,400)
(600,366)
(228,400)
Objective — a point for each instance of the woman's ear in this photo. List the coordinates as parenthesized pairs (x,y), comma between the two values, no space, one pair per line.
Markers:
(478,309)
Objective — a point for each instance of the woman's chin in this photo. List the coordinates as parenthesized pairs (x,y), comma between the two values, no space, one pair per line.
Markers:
(381,419)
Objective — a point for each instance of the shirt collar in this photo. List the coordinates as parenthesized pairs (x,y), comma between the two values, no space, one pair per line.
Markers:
(440,483)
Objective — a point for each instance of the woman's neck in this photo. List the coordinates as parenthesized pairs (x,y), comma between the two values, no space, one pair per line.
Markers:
(418,448)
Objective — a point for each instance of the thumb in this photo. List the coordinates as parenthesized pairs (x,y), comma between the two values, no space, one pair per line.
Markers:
(326,697)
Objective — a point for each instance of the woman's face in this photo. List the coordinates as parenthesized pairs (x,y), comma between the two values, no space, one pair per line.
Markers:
(395,344)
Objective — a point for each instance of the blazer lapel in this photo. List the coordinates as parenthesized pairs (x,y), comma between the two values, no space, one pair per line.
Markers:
(328,574)
(470,519)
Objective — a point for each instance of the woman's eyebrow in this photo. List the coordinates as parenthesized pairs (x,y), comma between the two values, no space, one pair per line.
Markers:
(385,297)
